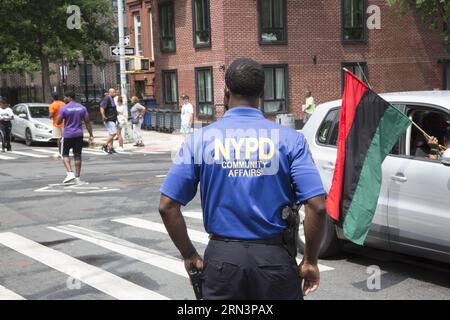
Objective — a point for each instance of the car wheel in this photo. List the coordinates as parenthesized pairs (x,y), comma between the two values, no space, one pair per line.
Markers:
(331,244)
(28,137)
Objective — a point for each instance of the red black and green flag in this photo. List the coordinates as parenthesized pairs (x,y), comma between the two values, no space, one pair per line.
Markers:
(369,128)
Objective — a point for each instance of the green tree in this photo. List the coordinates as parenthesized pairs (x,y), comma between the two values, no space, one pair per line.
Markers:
(34,31)
(435,12)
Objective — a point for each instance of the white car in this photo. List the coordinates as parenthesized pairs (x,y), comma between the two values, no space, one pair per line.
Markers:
(413,212)
(31,123)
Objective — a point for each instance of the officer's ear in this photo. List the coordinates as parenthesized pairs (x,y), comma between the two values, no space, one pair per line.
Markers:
(226,93)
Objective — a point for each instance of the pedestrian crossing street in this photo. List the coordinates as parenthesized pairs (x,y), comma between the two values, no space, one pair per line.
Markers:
(141,262)
(47,153)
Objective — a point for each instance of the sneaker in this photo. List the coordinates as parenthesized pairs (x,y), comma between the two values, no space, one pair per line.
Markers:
(70,177)
(112,150)
(120,149)
(105,149)
(141,144)
(80,182)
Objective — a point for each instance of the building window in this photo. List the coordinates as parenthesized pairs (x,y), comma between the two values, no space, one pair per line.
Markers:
(359,69)
(167,27)
(201,23)
(272,21)
(205,96)
(86,74)
(170,88)
(354,27)
(275,92)
(137,33)
(118,72)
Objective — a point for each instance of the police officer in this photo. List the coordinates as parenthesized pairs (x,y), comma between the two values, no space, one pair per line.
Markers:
(249,169)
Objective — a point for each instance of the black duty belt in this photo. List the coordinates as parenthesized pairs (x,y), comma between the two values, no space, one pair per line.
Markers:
(272,241)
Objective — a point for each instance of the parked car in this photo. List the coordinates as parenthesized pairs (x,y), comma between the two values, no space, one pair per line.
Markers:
(31,123)
(413,212)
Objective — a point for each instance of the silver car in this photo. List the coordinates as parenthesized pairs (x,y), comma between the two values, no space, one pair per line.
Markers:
(31,123)
(413,213)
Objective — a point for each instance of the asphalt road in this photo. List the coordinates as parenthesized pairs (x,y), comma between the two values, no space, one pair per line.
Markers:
(105,240)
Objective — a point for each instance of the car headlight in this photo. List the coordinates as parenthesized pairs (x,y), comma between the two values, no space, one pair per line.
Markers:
(40,126)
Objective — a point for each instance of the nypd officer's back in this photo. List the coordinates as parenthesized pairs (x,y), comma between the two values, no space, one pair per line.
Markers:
(248,168)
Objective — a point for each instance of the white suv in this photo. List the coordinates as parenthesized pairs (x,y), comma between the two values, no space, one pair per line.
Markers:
(413,212)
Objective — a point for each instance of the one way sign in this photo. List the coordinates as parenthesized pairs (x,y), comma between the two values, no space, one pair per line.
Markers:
(115,51)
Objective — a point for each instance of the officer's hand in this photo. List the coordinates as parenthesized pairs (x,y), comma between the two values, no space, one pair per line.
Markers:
(194,260)
(310,274)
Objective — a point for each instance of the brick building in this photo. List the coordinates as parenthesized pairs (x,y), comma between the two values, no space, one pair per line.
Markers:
(303,44)
(140,28)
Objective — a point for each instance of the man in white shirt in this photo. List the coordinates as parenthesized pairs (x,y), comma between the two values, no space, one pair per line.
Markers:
(6,115)
(187,116)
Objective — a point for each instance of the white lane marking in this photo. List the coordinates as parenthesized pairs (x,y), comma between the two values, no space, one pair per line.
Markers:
(45,151)
(161,176)
(151,152)
(132,250)
(97,153)
(193,215)
(6,158)
(29,154)
(95,277)
(6,294)
(98,191)
(197,236)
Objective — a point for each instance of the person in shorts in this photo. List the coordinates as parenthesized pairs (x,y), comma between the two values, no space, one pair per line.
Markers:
(53,111)
(73,114)
(108,109)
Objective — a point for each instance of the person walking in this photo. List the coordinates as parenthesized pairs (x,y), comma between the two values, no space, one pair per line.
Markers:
(53,111)
(6,115)
(309,107)
(187,116)
(73,114)
(251,172)
(108,110)
(137,118)
(122,121)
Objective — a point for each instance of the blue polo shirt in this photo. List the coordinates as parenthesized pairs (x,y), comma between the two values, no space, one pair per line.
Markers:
(248,168)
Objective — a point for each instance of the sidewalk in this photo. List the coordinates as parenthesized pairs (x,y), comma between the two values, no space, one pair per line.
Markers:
(153,140)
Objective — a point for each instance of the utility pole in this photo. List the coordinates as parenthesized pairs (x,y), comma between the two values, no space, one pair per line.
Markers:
(123,76)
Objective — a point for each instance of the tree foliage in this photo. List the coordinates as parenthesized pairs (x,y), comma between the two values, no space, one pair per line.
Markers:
(35,31)
(434,12)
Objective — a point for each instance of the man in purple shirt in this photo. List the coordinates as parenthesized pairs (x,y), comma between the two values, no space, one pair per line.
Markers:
(73,115)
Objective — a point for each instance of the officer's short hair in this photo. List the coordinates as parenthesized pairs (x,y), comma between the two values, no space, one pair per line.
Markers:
(245,77)
(70,94)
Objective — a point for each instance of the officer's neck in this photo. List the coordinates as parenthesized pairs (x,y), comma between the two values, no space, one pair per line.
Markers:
(243,102)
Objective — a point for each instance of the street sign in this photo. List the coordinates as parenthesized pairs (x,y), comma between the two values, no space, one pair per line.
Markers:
(115,51)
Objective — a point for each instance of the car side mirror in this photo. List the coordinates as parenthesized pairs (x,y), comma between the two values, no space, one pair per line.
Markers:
(446,158)
(23,116)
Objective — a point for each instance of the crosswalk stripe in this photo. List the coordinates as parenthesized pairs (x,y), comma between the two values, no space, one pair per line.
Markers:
(6,158)
(97,153)
(45,151)
(126,248)
(95,277)
(29,154)
(197,236)
(193,215)
(6,294)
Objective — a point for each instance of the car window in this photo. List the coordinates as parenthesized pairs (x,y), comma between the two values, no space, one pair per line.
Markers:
(328,131)
(39,112)
(16,110)
(435,123)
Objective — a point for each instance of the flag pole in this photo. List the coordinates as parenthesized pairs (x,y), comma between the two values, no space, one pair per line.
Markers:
(426,135)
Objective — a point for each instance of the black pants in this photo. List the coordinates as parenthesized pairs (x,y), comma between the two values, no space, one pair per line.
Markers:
(76,144)
(245,271)
(5,127)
